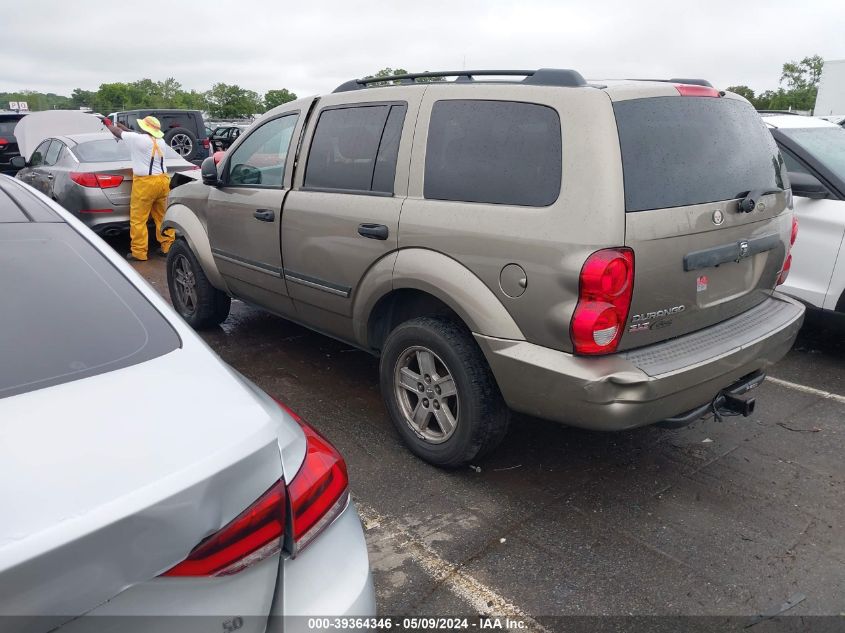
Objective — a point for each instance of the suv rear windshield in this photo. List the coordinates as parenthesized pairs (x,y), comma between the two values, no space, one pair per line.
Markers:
(678,151)
(7,128)
(106,151)
(74,315)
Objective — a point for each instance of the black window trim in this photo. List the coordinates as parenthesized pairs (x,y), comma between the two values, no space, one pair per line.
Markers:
(240,140)
(346,106)
(498,204)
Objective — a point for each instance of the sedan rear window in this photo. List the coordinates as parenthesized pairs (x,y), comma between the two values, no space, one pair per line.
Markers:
(108,150)
(73,316)
(679,151)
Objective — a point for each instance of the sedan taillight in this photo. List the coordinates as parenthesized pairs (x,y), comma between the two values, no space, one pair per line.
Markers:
(314,498)
(100,181)
(255,534)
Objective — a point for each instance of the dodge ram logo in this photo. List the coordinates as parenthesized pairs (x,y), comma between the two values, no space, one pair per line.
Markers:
(743,249)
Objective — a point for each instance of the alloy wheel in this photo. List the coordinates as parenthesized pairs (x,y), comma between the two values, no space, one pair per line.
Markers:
(427,394)
(182,144)
(186,285)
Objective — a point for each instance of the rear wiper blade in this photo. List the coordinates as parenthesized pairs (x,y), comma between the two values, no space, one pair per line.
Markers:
(749,202)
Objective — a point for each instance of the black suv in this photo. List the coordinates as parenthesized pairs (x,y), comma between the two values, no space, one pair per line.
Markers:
(8,142)
(184,130)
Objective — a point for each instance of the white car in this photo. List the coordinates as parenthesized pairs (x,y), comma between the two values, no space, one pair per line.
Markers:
(142,476)
(814,153)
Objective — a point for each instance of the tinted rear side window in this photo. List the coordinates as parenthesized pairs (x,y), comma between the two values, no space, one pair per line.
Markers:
(355,148)
(678,151)
(499,152)
(74,315)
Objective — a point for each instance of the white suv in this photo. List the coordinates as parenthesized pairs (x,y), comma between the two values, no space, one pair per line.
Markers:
(814,153)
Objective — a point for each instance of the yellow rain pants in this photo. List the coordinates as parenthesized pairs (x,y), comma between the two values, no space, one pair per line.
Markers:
(149,197)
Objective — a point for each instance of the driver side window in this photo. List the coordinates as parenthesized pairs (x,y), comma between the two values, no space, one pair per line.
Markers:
(260,158)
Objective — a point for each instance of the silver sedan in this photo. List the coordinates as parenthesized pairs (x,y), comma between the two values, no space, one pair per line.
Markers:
(90,175)
(142,475)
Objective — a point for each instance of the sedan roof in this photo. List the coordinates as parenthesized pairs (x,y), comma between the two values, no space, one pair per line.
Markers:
(794,121)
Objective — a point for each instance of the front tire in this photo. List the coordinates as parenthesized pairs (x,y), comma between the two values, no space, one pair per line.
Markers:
(195,299)
(440,393)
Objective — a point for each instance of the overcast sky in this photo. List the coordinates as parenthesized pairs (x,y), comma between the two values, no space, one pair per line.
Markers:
(312,46)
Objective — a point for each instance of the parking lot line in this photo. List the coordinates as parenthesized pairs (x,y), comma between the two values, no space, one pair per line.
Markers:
(482,599)
(805,389)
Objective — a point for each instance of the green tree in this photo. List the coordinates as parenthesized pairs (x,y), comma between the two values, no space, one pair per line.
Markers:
(385,73)
(192,100)
(231,101)
(275,98)
(80,97)
(169,90)
(803,74)
(743,91)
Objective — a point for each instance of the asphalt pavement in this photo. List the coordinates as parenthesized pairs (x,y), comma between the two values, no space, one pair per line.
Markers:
(733,518)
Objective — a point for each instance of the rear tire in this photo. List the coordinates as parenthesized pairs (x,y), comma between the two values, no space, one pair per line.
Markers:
(195,299)
(440,393)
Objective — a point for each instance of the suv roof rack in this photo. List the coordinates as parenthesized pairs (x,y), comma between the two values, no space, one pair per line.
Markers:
(681,80)
(562,77)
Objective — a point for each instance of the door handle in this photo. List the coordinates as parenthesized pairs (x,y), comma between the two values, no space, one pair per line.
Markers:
(373,231)
(49,176)
(265,215)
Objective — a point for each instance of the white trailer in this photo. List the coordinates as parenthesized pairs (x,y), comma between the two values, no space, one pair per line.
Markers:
(831,97)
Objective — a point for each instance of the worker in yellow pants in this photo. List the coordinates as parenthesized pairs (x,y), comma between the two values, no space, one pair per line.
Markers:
(150,184)
(149,197)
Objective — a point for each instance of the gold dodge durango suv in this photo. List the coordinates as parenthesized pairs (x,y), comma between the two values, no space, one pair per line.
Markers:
(604,254)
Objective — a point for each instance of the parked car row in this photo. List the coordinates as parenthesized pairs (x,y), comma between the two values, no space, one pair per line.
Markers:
(602,254)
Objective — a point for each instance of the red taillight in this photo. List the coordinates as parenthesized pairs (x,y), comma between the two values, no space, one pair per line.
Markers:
(255,534)
(3,142)
(218,156)
(692,90)
(102,181)
(606,286)
(787,264)
(320,490)
(318,494)
(206,143)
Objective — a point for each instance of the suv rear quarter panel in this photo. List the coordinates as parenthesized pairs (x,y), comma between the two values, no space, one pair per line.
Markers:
(549,243)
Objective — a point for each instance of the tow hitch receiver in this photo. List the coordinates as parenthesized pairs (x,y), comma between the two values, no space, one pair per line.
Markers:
(728,402)
(737,405)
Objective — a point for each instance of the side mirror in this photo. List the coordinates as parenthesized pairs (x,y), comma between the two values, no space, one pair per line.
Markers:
(807,186)
(18,162)
(209,172)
